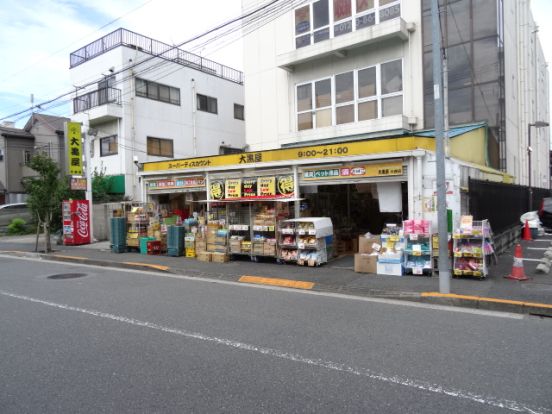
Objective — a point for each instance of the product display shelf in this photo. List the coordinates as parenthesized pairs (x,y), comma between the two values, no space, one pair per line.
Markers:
(314,238)
(263,231)
(239,229)
(287,242)
(469,250)
(418,254)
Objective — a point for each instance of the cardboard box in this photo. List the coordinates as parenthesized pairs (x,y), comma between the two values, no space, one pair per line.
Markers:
(366,263)
(219,257)
(393,269)
(211,247)
(200,246)
(204,256)
(368,245)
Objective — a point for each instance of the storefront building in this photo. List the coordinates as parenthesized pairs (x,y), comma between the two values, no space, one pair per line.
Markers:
(361,185)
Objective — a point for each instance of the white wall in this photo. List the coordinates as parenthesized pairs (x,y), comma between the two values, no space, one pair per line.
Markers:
(270,90)
(143,117)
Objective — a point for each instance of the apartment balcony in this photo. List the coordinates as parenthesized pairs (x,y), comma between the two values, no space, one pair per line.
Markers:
(144,44)
(338,46)
(101,106)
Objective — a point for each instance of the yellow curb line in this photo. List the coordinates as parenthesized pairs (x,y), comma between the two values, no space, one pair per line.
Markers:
(276,282)
(485,299)
(153,266)
(69,257)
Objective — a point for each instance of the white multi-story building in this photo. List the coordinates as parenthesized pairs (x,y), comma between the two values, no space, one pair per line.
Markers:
(142,100)
(338,70)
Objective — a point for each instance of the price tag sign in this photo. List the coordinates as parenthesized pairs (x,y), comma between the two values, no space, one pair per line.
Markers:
(417,271)
(413,236)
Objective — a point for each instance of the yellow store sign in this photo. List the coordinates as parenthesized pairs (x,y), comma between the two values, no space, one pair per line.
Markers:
(354,171)
(318,152)
(74,148)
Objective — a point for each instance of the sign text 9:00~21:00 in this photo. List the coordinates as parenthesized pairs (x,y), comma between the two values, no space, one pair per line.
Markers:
(326,152)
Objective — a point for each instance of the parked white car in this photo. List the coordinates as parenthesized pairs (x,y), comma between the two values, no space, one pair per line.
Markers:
(17,210)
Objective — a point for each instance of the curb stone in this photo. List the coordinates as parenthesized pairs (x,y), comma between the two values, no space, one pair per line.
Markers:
(522,308)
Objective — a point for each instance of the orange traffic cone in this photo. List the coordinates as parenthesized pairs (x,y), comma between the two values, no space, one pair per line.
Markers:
(526,232)
(518,273)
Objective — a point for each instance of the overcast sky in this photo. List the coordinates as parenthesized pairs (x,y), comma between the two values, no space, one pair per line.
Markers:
(37,36)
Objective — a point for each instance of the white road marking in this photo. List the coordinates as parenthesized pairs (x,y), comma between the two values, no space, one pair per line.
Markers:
(335,366)
(537,248)
(531,260)
(343,296)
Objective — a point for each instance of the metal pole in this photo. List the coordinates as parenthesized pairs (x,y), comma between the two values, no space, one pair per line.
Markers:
(89,182)
(529,150)
(444,271)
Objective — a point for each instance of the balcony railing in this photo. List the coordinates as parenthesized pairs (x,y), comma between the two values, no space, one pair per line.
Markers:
(123,37)
(96,98)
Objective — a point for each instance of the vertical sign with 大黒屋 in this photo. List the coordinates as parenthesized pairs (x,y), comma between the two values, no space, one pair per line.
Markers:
(74,148)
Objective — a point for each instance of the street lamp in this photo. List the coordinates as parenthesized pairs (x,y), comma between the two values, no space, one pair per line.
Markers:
(536,124)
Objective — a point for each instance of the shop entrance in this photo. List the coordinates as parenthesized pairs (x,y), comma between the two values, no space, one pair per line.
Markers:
(181,204)
(355,208)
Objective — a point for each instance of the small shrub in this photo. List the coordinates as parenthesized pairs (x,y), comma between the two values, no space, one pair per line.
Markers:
(17,226)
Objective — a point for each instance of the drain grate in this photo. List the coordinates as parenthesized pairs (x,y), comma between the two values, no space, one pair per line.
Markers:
(66,276)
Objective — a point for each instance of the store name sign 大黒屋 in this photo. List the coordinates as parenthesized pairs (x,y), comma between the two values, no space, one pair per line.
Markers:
(355,171)
(281,186)
(175,183)
(367,147)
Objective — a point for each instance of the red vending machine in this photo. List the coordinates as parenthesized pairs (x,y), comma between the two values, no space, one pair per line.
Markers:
(76,222)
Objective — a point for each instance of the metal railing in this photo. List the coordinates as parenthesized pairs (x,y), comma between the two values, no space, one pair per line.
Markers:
(96,98)
(123,37)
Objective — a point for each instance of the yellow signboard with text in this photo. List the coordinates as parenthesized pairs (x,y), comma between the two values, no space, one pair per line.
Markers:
(74,148)
(367,147)
(354,171)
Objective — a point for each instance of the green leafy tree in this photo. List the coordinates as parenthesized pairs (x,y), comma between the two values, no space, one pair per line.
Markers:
(45,193)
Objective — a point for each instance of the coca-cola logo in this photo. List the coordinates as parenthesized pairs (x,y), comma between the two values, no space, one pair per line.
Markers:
(82,219)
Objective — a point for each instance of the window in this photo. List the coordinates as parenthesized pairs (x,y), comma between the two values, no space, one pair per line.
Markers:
(157,91)
(239,112)
(27,157)
(359,95)
(109,146)
(324,19)
(160,147)
(207,104)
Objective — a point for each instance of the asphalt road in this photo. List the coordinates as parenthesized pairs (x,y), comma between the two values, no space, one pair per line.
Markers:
(117,341)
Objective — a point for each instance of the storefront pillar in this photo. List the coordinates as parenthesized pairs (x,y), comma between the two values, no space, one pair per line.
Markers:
(297,204)
(412,197)
(419,185)
(207,187)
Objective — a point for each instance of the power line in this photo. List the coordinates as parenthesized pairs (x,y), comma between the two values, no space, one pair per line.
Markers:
(33,65)
(252,21)
(160,55)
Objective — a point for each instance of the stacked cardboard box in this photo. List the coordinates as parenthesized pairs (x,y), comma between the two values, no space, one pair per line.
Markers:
(366,260)
(219,257)
(204,256)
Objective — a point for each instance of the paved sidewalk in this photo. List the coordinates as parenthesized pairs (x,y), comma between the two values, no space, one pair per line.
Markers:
(494,292)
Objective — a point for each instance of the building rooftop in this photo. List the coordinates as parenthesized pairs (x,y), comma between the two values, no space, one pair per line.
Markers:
(55,123)
(124,37)
(15,132)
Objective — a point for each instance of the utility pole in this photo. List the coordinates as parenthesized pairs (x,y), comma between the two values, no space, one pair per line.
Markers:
(444,271)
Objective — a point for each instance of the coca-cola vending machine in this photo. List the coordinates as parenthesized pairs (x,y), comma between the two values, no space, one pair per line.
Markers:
(76,222)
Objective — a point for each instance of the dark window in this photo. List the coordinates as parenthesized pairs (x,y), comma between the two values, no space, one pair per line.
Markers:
(157,91)
(109,146)
(160,147)
(27,157)
(239,112)
(207,104)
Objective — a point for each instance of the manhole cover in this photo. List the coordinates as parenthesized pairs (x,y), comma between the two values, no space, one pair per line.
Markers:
(66,276)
